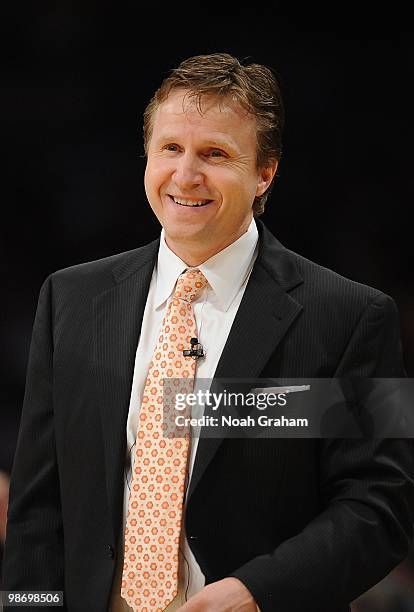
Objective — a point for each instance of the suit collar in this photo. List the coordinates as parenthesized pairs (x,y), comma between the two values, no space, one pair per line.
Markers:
(131,262)
(278,261)
(272,255)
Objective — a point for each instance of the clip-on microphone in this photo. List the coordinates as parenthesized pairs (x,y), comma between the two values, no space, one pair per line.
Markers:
(196,350)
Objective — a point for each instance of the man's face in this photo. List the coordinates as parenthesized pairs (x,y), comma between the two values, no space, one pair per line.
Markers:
(201,176)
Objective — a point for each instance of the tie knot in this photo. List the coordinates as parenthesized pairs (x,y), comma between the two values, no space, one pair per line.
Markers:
(189,285)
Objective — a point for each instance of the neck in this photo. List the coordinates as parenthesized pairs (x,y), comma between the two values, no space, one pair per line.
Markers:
(195,254)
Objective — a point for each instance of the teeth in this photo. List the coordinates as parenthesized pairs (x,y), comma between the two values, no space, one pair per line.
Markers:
(190,202)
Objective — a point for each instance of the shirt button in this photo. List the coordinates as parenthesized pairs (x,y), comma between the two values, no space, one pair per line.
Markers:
(110,550)
(193,537)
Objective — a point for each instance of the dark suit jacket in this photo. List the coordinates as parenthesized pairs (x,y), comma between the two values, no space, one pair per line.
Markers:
(306,524)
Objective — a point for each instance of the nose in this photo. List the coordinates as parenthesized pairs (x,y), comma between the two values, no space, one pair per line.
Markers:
(187,174)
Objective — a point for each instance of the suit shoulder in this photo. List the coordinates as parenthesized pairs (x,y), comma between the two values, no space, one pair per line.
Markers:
(94,276)
(324,284)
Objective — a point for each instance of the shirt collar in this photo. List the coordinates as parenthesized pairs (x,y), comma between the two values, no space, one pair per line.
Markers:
(225,272)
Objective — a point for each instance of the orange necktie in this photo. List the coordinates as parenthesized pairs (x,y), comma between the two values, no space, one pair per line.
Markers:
(155,507)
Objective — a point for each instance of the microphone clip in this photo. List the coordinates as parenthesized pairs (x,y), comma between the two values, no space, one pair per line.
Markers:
(196,350)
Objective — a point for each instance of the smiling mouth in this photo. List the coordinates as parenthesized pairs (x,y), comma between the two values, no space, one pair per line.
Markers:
(189,203)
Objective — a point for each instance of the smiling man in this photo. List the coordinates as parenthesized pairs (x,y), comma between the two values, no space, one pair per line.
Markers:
(120,517)
(202,173)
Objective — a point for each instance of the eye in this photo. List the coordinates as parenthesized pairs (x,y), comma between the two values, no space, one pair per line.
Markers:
(171,147)
(216,153)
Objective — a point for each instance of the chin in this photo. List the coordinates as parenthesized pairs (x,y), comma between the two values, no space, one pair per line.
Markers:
(181,234)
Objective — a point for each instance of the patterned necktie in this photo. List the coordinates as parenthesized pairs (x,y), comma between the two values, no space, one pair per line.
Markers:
(152,531)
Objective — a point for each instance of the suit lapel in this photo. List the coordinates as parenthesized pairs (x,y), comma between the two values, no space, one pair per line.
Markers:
(264,316)
(118,316)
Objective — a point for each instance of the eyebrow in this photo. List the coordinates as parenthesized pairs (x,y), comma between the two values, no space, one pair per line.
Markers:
(220,144)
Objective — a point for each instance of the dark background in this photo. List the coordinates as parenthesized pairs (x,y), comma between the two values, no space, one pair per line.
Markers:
(75,82)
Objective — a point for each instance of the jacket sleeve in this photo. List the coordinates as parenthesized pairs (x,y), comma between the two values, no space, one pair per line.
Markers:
(367,488)
(33,555)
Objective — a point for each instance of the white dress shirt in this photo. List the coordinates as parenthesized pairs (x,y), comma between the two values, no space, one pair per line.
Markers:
(227,274)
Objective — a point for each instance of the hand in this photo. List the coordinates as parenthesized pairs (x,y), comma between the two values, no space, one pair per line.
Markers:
(227,595)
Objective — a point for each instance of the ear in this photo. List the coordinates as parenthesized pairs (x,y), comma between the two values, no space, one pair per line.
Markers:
(265,177)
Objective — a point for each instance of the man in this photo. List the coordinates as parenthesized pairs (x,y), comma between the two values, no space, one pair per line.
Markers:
(279,524)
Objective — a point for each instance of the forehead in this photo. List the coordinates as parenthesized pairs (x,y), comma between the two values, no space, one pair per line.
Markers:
(224,116)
